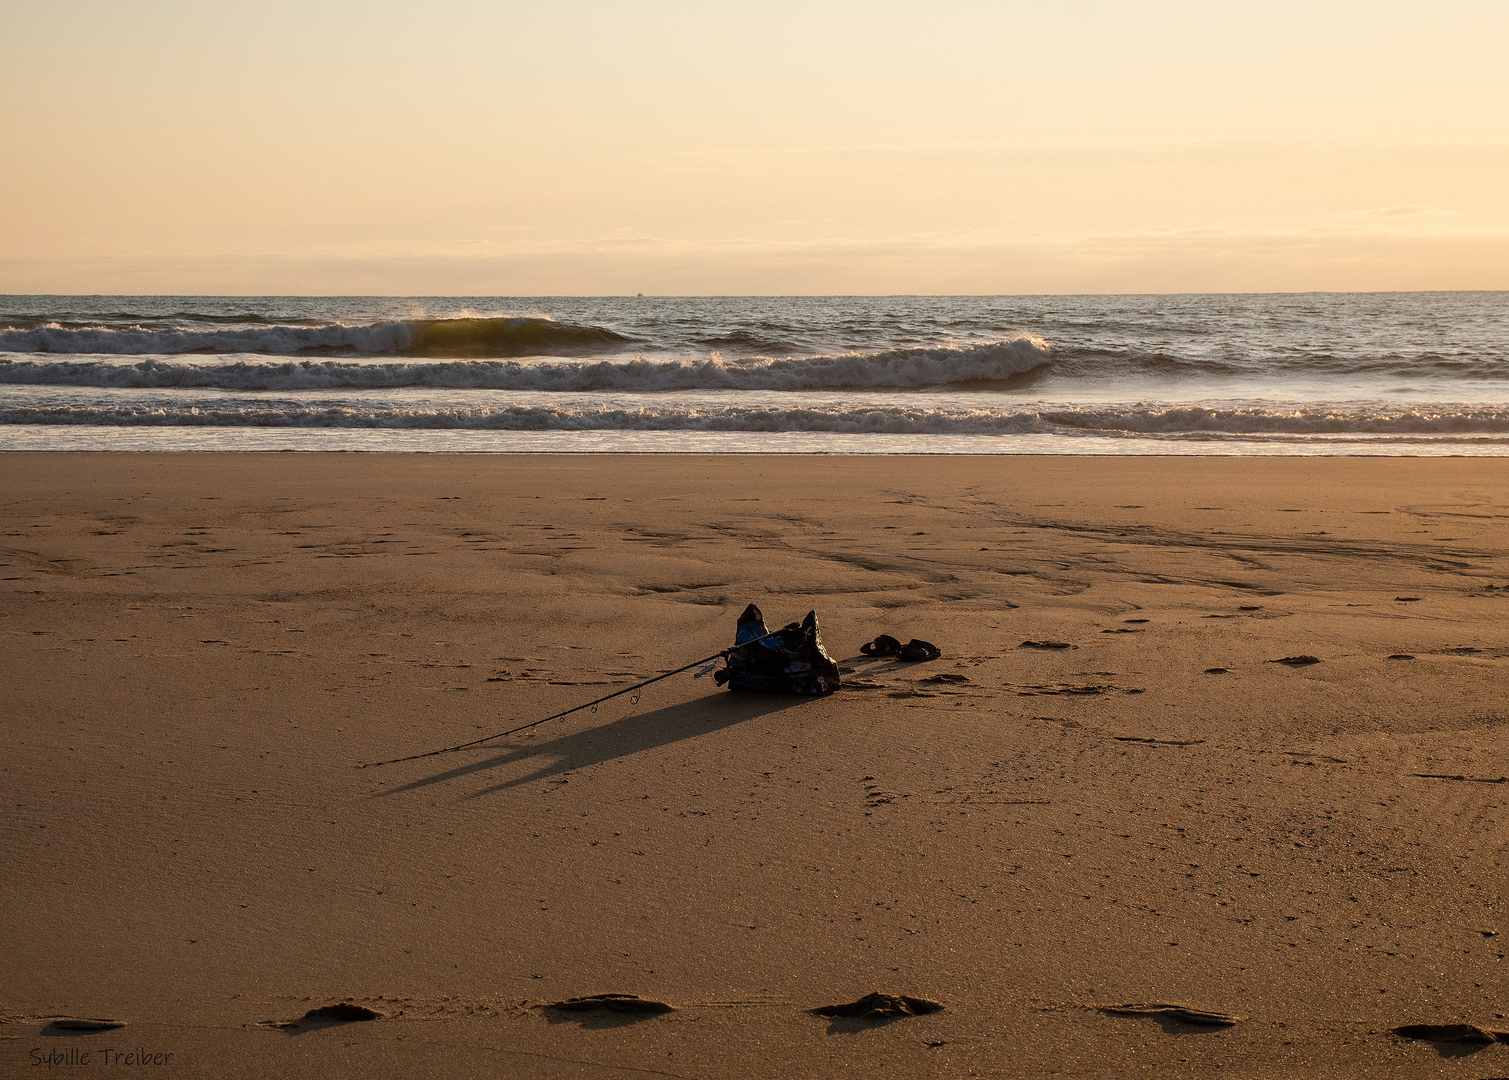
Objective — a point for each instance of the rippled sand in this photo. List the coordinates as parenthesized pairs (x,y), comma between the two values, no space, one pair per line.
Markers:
(1110,830)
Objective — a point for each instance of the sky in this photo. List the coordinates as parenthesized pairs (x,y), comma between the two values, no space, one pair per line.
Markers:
(579,147)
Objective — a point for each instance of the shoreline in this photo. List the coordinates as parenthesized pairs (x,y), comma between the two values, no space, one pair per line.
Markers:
(770,454)
(868,446)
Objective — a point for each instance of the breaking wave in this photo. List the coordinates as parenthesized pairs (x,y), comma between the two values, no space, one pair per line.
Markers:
(1247,372)
(899,368)
(441,338)
(837,419)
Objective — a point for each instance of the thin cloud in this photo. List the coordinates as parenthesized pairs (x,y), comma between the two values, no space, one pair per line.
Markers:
(1360,258)
(1406,211)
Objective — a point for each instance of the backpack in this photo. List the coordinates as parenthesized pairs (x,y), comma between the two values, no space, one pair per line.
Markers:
(790,661)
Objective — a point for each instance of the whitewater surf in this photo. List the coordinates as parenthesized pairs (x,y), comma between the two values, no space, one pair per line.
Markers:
(1400,373)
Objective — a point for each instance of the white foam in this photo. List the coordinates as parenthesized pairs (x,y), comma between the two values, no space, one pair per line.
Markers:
(860,418)
(899,369)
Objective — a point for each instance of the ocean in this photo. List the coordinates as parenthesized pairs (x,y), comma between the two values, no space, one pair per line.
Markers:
(1270,374)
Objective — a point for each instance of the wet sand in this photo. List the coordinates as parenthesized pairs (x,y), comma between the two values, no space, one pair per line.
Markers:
(201,649)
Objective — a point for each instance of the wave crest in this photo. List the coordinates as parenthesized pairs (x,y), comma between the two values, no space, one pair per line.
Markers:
(441,338)
(900,369)
(901,419)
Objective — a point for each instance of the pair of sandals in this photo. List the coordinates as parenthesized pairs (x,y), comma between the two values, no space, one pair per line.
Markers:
(913,651)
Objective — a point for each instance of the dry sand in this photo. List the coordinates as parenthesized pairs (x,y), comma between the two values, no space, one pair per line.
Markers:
(201,649)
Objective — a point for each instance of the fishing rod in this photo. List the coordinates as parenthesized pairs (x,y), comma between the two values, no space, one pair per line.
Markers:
(714,658)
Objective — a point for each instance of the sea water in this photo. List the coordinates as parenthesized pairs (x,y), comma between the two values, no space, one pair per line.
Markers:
(1292,374)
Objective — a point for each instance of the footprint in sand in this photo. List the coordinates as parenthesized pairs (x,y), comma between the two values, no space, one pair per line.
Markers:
(878,1006)
(1296,661)
(1045,645)
(619,1003)
(75,1023)
(1451,1033)
(1174,1017)
(1157,742)
(344,1012)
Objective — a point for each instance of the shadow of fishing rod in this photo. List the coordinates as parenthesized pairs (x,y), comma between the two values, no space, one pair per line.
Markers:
(526,761)
(709,660)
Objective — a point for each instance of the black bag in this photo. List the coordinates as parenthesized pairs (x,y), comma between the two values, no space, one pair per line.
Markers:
(791,661)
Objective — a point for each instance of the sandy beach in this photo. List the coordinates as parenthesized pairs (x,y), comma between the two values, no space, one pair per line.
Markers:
(1111,790)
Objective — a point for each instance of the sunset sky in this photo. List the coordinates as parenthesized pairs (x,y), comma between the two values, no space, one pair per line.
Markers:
(585,147)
